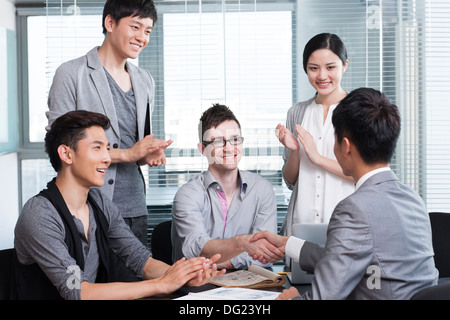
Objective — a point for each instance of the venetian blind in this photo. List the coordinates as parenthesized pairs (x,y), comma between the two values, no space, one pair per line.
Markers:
(402,49)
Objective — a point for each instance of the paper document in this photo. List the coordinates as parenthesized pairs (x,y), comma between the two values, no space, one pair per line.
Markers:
(254,277)
(231,294)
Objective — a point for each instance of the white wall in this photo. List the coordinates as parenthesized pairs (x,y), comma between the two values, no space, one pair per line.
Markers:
(9,181)
(8,14)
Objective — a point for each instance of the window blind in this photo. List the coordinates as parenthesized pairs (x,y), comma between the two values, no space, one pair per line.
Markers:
(248,55)
(434,95)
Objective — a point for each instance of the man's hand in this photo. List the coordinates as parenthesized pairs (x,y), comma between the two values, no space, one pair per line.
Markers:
(260,249)
(274,242)
(225,265)
(288,294)
(208,272)
(192,272)
(145,147)
(157,157)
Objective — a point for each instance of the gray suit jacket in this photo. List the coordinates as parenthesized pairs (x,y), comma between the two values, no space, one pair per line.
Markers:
(81,84)
(378,245)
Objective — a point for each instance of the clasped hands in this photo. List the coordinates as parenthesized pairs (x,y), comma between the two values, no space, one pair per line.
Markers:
(190,272)
(149,150)
(266,247)
(272,248)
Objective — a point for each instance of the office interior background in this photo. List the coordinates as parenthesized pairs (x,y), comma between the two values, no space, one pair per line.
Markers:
(245,54)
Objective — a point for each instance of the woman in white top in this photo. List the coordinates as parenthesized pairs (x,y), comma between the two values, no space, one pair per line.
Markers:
(310,167)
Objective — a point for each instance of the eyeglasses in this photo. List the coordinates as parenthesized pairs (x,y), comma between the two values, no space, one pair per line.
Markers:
(220,143)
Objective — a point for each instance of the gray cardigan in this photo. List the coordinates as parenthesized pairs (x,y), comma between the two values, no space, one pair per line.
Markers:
(294,116)
(81,84)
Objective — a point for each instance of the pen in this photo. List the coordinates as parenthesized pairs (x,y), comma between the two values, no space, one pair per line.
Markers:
(282,273)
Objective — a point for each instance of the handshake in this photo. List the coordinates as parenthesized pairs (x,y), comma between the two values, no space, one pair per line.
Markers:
(266,247)
(270,248)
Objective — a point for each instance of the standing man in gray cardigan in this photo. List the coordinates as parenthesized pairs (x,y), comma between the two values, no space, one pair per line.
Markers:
(379,238)
(103,81)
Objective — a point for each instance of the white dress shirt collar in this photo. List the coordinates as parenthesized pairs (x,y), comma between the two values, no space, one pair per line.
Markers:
(370,174)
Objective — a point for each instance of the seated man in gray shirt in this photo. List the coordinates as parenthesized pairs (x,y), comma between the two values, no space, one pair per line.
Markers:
(70,237)
(219,209)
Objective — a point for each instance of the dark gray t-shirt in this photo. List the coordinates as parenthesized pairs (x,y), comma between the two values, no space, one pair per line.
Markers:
(129,191)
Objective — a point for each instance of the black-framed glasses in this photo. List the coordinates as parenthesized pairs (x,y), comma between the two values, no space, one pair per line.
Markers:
(220,143)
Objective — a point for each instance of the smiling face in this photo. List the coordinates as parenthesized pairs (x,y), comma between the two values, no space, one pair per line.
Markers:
(223,159)
(89,162)
(325,70)
(129,35)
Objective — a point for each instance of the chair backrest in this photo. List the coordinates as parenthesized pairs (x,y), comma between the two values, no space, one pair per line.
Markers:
(162,242)
(6,272)
(438,292)
(440,227)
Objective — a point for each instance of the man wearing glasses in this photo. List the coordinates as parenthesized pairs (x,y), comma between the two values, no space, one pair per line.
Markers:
(218,210)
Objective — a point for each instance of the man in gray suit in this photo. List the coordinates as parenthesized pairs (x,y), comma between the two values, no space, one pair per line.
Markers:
(103,81)
(379,238)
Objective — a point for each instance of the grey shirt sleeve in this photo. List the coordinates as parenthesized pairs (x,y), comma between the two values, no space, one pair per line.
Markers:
(294,116)
(39,238)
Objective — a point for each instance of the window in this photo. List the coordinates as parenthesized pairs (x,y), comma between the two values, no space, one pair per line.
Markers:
(247,55)
(53,39)
(208,58)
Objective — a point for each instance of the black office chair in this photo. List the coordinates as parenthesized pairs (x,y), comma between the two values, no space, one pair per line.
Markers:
(6,269)
(162,242)
(437,292)
(440,227)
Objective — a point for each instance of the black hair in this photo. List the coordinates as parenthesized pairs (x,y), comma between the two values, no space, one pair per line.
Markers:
(68,129)
(368,119)
(119,9)
(213,117)
(328,41)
